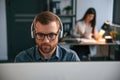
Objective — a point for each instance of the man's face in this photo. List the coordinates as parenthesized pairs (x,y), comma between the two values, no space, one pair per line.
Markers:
(46,36)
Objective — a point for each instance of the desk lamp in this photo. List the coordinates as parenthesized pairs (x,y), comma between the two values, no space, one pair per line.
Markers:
(106,31)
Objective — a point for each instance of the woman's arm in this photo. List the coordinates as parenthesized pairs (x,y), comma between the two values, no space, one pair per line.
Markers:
(75,31)
(98,35)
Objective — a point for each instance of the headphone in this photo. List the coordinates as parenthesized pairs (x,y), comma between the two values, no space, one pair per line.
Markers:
(60,30)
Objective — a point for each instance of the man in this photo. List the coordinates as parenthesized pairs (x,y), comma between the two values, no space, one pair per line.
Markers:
(47,27)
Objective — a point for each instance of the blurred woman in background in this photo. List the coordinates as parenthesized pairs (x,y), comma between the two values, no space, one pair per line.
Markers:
(85,28)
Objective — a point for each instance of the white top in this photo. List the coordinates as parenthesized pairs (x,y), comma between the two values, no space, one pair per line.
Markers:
(82,28)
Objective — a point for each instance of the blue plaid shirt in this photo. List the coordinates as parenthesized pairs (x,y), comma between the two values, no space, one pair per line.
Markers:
(60,54)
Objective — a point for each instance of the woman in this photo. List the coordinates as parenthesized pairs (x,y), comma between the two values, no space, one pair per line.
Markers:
(85,28)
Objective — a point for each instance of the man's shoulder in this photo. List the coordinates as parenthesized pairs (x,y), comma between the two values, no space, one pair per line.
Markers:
(24,54)
(27,51)
(66,50)
(69,54)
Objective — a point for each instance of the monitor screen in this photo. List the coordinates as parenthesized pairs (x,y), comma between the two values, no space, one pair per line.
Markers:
(60,71)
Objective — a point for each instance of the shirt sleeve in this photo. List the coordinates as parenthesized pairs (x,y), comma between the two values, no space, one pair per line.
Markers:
(76,31)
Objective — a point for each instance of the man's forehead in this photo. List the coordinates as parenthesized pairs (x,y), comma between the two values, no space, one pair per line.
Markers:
(51,27)
(53,23)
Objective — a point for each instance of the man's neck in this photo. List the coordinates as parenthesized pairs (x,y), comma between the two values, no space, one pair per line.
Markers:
(47,55)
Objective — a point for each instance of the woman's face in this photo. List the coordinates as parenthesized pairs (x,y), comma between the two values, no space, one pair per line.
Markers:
(90,17)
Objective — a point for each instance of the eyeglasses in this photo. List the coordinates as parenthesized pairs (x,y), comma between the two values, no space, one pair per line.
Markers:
(50,36)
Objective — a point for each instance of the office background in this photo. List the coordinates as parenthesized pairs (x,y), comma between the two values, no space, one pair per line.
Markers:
(104,8)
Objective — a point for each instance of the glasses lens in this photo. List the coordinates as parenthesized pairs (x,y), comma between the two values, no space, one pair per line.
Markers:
(52,36)
(40,36)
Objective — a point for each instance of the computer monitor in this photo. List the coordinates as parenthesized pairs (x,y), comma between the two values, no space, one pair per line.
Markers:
(60,71)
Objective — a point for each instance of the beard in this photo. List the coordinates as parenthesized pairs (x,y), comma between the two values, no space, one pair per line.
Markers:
(46,48)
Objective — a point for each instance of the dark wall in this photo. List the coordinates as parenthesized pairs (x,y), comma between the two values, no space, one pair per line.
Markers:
(116,12)
(20,15)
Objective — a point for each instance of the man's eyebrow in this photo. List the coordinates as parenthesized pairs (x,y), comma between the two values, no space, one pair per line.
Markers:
(47,33)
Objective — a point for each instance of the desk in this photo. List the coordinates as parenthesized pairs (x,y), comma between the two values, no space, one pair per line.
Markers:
(82,41)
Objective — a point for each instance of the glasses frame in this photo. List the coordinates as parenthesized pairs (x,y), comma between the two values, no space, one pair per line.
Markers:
(37,35)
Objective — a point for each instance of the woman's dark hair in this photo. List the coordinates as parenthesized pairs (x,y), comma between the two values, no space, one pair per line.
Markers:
(93,22)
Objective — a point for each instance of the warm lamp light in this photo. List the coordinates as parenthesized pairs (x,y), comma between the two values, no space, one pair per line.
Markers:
(108,39)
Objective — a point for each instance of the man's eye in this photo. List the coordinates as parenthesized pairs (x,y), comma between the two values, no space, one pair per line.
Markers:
(41,35)
(51,35)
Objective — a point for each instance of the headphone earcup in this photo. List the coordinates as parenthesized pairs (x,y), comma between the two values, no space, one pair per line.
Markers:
(32,30)
(61,28)
(60,34)
(32,34)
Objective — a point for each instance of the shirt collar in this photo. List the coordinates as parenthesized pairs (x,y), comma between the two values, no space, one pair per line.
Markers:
(57,53)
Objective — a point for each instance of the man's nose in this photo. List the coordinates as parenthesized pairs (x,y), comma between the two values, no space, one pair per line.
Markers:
(46,39)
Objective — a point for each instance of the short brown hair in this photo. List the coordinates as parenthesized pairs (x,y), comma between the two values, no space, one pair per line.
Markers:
(46,17)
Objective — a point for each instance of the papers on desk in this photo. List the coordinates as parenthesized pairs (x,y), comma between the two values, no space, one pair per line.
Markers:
(83,40)
(92,41)
(87,40)
(71,40)
(102,40)
(79,40)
